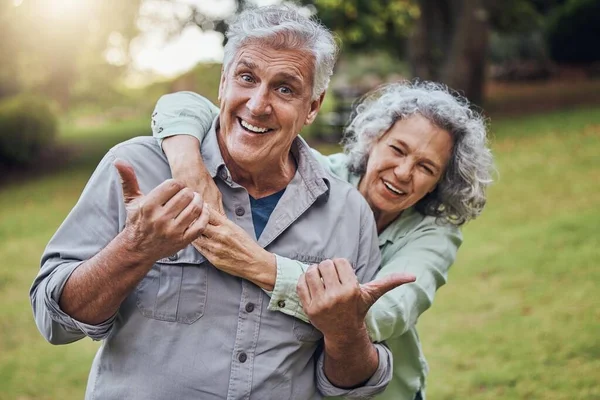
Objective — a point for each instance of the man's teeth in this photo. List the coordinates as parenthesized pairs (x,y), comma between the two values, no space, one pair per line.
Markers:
(393,189)
(253,128)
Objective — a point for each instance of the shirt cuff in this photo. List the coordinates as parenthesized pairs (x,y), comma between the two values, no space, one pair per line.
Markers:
(375,385)
(284,296)
(181,126)
(54,288)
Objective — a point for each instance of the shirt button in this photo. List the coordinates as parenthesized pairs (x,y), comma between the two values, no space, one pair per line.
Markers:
(240,211)
(249,307)
(242,357)
(174,257)
(281,304)
(223,174)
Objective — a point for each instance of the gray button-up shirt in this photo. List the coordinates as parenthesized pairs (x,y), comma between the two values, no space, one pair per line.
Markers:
(190,331)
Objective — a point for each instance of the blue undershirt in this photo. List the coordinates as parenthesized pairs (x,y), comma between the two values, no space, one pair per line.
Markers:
(262,209)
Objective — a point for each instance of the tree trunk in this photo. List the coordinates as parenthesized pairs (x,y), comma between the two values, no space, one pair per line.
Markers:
(449,44)
(464,69)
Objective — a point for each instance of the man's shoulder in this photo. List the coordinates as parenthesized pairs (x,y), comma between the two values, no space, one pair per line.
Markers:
(147,158)
(342,195)
(139,145)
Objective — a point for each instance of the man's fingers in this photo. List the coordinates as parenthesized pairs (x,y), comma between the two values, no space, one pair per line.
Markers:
(178,203)
(303,291)
(198,226)
(217,217)
(161,194)
(381,286)
(345,271)
(314,282)
(329,274)
(191,211)
(129,182)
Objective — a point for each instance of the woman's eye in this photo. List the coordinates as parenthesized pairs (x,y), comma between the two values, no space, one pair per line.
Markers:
(427,169)
(398,150)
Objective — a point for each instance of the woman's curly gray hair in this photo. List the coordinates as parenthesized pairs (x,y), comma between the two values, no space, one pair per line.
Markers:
(460,194)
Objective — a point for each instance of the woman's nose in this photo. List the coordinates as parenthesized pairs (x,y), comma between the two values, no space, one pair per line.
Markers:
(403,171)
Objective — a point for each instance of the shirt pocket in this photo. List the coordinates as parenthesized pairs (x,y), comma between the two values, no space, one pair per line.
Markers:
(174,290)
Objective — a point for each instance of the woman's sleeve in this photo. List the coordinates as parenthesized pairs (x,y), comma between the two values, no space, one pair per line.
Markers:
(183,113)
(429,254)
(334,163)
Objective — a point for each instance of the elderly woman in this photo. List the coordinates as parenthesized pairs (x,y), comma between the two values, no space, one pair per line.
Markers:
(419,156)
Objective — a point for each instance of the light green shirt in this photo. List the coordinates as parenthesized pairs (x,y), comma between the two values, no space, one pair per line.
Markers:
(414,243)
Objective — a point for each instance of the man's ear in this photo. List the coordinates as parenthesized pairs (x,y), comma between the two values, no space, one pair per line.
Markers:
(315,106)
(221,84)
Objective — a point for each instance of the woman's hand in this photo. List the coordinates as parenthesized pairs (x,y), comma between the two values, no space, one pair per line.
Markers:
(229,248)
(183,153)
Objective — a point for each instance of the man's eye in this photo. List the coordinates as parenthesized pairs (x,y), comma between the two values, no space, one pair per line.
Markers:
(246,78)
(285,90)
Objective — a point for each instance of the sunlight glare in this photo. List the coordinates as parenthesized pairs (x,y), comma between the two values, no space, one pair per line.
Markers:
(63,9)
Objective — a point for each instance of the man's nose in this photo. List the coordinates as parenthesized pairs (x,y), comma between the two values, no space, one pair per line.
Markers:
(259,103)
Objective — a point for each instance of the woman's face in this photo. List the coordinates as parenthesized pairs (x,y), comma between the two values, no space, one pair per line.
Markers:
(404,165)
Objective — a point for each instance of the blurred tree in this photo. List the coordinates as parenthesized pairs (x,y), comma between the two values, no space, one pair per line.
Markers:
(574,32)
(447,39)
(52,44)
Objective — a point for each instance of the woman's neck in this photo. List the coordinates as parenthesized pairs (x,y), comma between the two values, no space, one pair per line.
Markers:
(383,220)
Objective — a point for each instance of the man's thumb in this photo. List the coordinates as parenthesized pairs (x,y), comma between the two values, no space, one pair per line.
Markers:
(377,288)
(131,188)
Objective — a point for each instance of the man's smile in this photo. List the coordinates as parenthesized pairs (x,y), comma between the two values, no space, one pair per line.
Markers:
(253,128)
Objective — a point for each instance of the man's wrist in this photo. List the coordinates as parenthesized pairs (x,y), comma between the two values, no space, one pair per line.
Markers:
(128,250)
(339,343)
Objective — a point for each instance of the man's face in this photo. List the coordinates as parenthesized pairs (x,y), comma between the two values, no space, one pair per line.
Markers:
(265,97)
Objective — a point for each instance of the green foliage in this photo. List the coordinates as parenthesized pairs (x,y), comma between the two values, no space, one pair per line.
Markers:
(574,32)
(28,126)
(368,25)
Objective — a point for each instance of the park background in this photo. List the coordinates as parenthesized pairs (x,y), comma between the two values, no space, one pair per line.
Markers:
(520,316)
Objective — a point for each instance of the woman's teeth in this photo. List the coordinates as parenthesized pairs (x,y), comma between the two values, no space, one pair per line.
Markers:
(393,189)
(253,128)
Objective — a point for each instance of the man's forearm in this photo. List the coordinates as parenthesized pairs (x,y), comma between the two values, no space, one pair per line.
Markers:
(95,290)
(350,361)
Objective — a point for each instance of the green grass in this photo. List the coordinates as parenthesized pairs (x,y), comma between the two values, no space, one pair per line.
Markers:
(519,319)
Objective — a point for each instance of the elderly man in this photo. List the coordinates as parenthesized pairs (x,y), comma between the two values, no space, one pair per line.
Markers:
(120,268)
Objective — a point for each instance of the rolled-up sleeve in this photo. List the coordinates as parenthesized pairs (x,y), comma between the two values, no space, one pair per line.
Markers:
(183,113)
(375,385)
(89,227)
(428,254)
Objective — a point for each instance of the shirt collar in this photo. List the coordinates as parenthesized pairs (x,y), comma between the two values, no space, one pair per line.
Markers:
(310,171)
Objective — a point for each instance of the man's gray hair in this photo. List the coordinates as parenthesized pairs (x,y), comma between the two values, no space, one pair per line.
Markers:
(285,27)
(460,194)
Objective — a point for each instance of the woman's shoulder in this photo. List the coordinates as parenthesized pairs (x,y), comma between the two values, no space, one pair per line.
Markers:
(413,223)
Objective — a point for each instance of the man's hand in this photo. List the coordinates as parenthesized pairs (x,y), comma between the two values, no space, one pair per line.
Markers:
(229,248)
(187,166)
(335,302)
(165,220)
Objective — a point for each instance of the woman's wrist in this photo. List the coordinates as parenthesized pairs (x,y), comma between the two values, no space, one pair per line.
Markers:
(263,270)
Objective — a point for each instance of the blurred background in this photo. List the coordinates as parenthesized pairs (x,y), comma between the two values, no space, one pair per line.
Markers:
(520,317)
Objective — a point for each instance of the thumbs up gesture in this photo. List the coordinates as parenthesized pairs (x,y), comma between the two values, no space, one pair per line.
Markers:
(333,299)
(165,220)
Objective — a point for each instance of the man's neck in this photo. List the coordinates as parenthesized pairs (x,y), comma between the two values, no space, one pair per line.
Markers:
(261,178)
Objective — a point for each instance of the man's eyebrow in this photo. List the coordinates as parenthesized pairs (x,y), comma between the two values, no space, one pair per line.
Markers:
(292,78)
(246,63)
